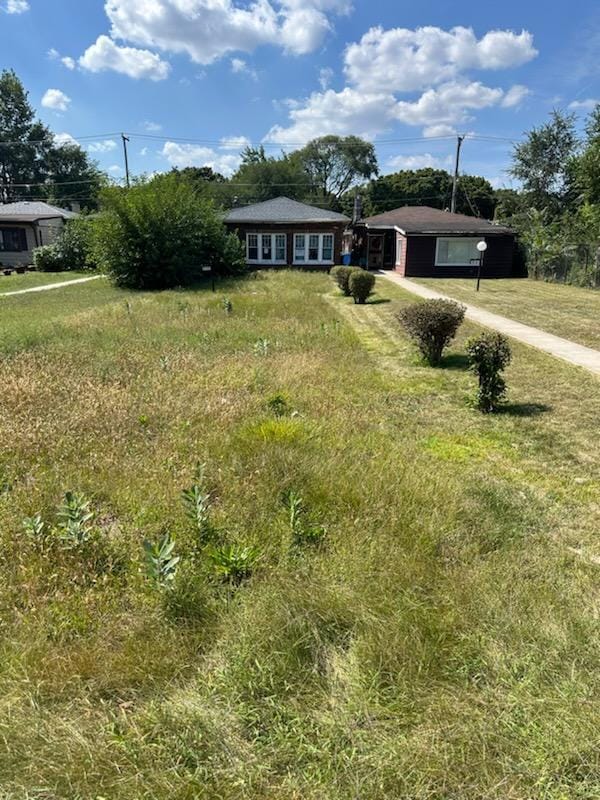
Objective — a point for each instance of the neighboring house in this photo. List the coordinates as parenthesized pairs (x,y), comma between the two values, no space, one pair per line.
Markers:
(418,241)
(283,232)
(25,226)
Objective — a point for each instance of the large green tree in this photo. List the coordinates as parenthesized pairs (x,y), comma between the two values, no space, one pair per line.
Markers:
(32,163)
(335,163)
(543,163)
(262,177)
(426,187)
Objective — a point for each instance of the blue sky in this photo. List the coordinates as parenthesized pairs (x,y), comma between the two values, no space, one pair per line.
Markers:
(193,80)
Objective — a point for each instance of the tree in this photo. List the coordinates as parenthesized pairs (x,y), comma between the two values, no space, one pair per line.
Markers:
(261,177)
(543,162)
(587,166)
(32,164)
(335,163)
(160,233)
(427,187)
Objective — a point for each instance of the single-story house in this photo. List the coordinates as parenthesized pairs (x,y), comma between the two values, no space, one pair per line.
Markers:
(283,232)
(419,241)
(25,226)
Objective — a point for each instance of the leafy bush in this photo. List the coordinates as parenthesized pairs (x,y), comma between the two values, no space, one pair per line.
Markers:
(233,563)
(489,355)
(341,275)
(432,325)
(161,564)
(72,250)
(47,258)
(160,234)
(360,284)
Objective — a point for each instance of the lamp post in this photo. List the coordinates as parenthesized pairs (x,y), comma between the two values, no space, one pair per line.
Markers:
(482,247)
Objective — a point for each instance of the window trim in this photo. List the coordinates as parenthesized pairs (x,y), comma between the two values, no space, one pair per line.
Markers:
(260,259)
(21,236)
(319,260)
(439,239)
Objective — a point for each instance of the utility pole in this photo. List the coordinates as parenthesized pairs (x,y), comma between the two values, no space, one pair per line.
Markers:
(459,141)
(125,140)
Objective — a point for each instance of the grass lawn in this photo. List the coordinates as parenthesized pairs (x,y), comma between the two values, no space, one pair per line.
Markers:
(566,311)
(443,642)
(14,282)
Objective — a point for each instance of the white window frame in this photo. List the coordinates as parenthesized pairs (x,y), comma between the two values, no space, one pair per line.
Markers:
(260,259)
(319,259)
(439,239)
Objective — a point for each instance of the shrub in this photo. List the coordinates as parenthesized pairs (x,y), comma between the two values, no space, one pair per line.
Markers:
(160,233)
(72,250)
(361,284)
(47,259)
(489,355)
(161,564)
(432,325)
(233,563)
(341,275)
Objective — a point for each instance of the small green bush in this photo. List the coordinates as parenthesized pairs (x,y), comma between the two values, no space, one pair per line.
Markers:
(72,250)
(361,284)
(489,355)
(47,258)
(432,325)
(341,275)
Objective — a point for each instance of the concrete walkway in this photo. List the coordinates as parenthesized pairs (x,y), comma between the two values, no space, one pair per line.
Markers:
(574,353)
(49,286)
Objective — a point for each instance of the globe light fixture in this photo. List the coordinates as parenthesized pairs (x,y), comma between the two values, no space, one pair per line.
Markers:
(482,247)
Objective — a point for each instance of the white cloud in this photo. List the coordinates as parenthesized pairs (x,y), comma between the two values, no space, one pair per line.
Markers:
(385,63)
(419,162)
(406,60)
(144,151)
(209,29)
(65,138)
(238,65)
(115,169)
(69,62)
(348,111)
(56,100)
(53,53)
(104,54)
(515,96)
(16,6)
(584,105)
(234,142)
(191,155)
(104,146)
(432,131)
(152,127)
(447,104)
(325,77)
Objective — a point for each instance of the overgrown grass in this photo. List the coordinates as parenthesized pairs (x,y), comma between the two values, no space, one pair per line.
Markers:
(442,642)
(566,311)
(14,282)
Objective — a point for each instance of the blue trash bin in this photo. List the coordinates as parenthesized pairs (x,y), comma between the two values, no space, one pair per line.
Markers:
(346,258)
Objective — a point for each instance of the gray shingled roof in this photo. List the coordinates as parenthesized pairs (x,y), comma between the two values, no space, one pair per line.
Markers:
(282,210)
(423,219)
(27,211)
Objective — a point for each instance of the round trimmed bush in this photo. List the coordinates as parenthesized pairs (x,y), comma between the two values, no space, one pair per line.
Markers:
(341,275)
(361,284)
(432,325)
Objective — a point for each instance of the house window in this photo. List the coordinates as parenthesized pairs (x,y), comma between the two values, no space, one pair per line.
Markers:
(299,247)
(266,248)
(318,251)
(280,247)
(13,240)
(456,251)
(252,242)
